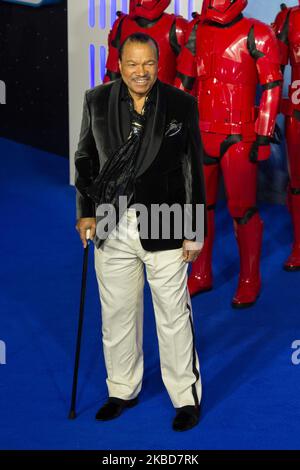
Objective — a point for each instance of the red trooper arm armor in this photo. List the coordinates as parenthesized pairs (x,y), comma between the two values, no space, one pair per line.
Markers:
(281,29)
(263,47)
(186,76)
(181,29)
(112,64)
(186,63)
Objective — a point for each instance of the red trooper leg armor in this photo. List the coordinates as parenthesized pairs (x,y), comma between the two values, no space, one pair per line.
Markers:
(248,232)
(240,180)
(201,278)
(287,29)
(224,59)
(148,16)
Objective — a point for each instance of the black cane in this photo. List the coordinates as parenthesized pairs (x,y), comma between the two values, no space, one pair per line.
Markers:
(72,413)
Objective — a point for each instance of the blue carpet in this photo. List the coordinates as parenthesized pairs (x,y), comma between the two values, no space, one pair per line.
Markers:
(250,386)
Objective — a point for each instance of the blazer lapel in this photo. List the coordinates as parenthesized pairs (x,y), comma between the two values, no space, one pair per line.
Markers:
(114,128)
(157,130)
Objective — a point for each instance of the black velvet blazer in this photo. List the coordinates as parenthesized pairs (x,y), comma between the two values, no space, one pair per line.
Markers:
(171,171)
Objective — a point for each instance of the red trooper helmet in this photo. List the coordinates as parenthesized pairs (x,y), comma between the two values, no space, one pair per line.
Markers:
(224,11)
(150,9)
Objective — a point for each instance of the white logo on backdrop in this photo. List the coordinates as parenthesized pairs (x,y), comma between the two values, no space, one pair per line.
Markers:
(2,92)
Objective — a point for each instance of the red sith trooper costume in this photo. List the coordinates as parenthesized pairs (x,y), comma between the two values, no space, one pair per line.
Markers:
(147,16)
(226,56)
(287,28)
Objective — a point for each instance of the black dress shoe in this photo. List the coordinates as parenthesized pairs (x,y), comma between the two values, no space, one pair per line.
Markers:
(186,418)
(114,407)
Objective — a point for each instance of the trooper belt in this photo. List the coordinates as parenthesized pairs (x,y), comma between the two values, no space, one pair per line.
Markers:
(246,130)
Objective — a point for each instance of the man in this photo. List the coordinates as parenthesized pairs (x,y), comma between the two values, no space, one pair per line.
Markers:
(148,16)
(167,170)
(226,56)
(287,29)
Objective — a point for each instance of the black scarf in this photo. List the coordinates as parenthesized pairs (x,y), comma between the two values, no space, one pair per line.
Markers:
(118,173)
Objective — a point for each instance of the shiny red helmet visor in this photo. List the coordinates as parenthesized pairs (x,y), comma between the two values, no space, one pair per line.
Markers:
(221,5)
(224,11)
(150,9)
(151,4)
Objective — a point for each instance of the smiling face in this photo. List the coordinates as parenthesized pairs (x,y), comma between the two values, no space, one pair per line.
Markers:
(139,67)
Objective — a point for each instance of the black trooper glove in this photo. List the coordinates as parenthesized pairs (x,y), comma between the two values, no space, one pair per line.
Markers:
(277,137)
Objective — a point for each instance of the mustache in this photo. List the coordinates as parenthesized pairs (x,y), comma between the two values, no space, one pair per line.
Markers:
(141,76)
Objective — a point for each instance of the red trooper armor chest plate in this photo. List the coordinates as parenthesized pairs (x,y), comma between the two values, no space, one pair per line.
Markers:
(228,75)
(227,78)
(222,66)
(161,33)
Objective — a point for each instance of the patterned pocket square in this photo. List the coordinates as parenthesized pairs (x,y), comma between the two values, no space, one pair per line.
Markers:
(173,128)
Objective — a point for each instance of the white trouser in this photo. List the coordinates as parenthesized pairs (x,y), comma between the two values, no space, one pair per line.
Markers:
(119,265)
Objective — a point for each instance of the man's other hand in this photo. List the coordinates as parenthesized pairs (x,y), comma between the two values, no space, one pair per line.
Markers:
(191,250)
(84,224)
